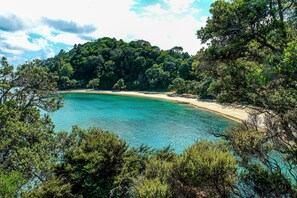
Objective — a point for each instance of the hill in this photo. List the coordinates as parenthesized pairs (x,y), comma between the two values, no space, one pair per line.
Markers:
(108,63)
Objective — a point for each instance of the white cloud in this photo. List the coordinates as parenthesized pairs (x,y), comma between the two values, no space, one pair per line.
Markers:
(45,47)
(16,43)
(56,37)
(82,12)
(66,38)
(154,11)
(15,59)
(174,24)
(20,41)
(178,6)
(10,51)
(168,33)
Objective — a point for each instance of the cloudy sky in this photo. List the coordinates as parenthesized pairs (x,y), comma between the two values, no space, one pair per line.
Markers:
(41,28)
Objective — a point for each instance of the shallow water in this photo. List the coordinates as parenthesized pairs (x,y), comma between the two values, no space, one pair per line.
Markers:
(152,122)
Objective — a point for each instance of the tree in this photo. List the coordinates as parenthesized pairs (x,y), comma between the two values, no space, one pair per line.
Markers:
(52,188)
(150,188)
(27,141)
(248,41)
(157,77)
(146,173)
(177,49)
(171,65)
(32,86)
(250,56)
(66,70)
(10,183)
(94,83)
(120,85)
(205,168)
(264,172)
(184,70)
(252,64)
(179,85)
(91,161)
(111,60)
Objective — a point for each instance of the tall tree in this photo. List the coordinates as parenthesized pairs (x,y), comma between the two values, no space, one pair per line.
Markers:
(27,141)
(251,57)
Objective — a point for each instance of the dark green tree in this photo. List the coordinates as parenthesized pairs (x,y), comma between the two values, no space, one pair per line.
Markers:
(52,188)
(27,140)
(205,168)
(94,83)
(66,70)
(120,85)
(91,161)
(250,56)
(157,77)
(178,85)
(10,183)
(112,60)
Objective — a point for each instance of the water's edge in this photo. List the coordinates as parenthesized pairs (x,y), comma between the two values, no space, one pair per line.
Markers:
(138,120)
(236,114)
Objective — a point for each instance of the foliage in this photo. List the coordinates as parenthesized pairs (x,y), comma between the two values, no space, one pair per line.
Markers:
(264,172)
(251,58)
(251,65)
(157,77)
(135,162)
(27,140)
(179,85)
(205,167)
(265,183)
(91,161)
(155,180)
(94,83)
(10,183)
(140,65)
(29,86)
(120,85)
(52,188)
(66,70)
(150,188)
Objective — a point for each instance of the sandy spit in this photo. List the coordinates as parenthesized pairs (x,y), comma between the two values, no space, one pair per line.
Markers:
(235,113)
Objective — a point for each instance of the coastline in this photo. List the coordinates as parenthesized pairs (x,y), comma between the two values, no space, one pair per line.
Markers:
(234,113)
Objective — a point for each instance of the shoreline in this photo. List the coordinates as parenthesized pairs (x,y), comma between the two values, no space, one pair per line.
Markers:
(235,114)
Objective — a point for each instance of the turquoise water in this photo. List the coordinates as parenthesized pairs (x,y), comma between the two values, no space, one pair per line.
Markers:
(155,123)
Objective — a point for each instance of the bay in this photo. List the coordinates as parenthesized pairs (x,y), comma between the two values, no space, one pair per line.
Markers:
(152,122)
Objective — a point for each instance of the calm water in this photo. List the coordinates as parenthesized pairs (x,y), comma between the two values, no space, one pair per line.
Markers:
(155,123)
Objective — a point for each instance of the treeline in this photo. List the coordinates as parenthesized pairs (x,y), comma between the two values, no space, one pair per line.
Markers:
(114,64)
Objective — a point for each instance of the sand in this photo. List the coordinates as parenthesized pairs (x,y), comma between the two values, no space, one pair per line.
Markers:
(235,113)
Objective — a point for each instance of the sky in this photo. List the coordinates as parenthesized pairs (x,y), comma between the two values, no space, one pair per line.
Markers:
(31,29)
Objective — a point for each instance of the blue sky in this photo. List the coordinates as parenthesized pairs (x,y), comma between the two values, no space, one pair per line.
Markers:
(32,29)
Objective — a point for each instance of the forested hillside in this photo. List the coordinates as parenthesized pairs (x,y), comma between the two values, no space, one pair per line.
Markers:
(111,64)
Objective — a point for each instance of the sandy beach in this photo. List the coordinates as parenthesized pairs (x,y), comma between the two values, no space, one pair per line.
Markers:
(237,114)
(234,113)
